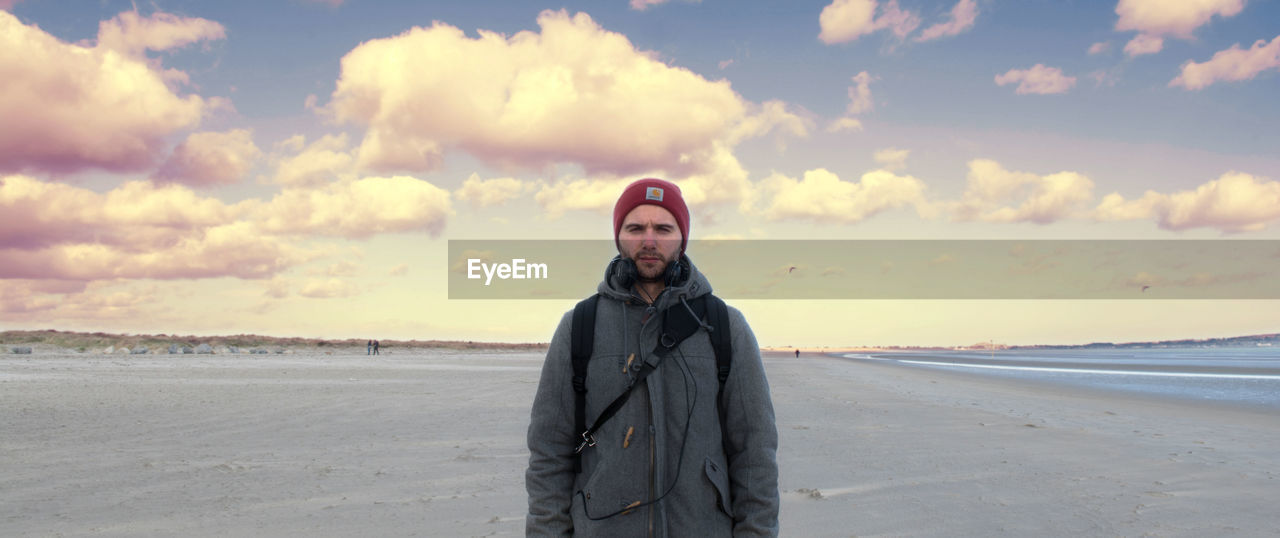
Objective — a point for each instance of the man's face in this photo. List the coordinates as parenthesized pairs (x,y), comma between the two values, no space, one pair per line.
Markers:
(651,238)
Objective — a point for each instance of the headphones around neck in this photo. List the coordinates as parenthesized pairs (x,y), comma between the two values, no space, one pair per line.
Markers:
(629,274)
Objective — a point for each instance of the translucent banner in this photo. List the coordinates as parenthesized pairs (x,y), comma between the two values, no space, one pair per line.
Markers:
(891,269)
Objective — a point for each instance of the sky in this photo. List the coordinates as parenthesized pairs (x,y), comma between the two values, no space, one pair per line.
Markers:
(298,168)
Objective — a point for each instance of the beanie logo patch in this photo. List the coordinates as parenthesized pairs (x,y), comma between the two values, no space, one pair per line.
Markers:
(653,193)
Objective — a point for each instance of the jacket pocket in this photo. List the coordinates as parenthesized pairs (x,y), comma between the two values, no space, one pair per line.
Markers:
(720,481)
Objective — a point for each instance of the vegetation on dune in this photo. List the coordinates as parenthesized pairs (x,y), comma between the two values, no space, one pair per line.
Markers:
(98,340)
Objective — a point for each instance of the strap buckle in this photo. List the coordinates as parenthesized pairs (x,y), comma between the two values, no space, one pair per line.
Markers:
(587,440)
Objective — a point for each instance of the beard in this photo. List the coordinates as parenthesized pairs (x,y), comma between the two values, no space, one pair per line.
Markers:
(651,270)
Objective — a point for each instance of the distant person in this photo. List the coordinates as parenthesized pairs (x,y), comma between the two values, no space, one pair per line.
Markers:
(369,348)
(797,353)
(653,415)
(375,347)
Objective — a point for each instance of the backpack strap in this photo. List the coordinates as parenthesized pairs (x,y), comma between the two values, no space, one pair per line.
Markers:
(582,338)
(718,317)
(679,323)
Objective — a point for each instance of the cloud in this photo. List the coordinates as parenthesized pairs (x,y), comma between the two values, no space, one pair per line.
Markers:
(844,124)
(1099,47)
(61,98)
(1143,44)
(1154,19)
(328,289)
(1180,19)
(29,301)
(860,101)
(135,217)
(892,159)
(8,4)
(318,163)
(211,158)
(580,194)
(822,196)
(574,94)
(641,5)
(490,192)
(963,16)
(1234,202)
(358,208)
(1038,80)
(724,181)
(236,250)
(991,193)
(846,20)
(399,270)
(1234,64)
(131,34)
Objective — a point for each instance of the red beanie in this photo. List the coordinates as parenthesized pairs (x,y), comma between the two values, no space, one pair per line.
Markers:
(664,194)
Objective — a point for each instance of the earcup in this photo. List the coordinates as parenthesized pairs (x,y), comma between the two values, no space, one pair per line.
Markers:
(628,273)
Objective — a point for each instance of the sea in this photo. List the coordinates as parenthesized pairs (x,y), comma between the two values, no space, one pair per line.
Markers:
(1243,376)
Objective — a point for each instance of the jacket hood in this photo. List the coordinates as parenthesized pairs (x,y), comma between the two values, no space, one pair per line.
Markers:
(693,285)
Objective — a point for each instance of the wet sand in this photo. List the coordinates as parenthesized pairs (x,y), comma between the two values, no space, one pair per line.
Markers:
(432,444)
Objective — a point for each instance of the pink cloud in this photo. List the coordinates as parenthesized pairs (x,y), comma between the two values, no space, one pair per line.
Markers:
(1039,79)
(963,16)
(1234,65)
(236,250)
(134,217)
(8,4)
(641,5)
(67,107)
(211,158)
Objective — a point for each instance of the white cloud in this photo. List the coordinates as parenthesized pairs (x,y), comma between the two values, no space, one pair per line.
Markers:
(130,33)
(993,194)
(1234,202)
(963,16)
(211,158)
(358,208)
(573,94)
(1037,80)
(824,197)
(1234,64)
(1163,17)
(1099,47)
(846,20)
(1156,19)
(860,101)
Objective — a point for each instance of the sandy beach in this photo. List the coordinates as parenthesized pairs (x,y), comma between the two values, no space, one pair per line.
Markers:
(432,444)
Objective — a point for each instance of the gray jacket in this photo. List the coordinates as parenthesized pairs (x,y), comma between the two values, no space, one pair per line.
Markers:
(665,442)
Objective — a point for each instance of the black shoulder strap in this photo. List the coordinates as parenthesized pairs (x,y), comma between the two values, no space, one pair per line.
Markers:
(678,324)
(718,317)
(582,338)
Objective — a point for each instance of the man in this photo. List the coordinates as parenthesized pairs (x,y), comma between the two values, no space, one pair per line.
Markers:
(658,466)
